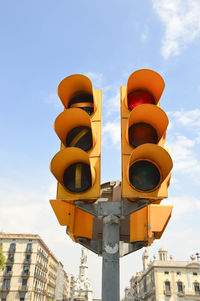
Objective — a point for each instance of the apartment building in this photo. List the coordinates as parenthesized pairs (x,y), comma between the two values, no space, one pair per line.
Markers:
(165,279)
(31,270)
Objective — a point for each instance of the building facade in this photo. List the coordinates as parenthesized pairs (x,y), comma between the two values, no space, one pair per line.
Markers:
(165,279)
(31,272)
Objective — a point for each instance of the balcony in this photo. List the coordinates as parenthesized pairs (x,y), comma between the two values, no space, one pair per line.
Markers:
(43,255)
(28,250)
(23,288)
(51,284)
(25,273)
(40,277)
(167,292)
(5,288)
(181,294)
(7,273)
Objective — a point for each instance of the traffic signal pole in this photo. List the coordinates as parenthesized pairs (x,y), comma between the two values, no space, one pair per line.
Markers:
(111,210)
(110,258)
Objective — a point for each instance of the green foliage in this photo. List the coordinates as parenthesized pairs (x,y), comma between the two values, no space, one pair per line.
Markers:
(2,259)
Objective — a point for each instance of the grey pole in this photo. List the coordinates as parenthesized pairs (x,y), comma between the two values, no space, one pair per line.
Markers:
(110,256)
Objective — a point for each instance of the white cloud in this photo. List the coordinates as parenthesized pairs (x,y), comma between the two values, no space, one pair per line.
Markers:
(112,104)
(183,154)
(187,118)
(111,133)
(96,79)
(184,205)
(182,23)
(53,99)
(183,148)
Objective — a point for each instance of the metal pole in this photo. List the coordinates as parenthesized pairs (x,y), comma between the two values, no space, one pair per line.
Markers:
(110,255)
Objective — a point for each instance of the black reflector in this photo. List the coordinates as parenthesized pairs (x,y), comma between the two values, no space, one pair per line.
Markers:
(140,133)
(144,175)
(82,101)
(80,137)
(77,177)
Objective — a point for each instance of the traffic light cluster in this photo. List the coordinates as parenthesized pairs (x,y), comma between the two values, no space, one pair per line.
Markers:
(146,163)
(77,165)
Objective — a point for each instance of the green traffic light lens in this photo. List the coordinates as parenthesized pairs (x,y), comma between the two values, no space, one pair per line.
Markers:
(80,137)
(77,177)
(144,175)
(140,133)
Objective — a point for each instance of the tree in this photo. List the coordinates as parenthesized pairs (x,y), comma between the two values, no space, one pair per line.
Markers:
(2,259)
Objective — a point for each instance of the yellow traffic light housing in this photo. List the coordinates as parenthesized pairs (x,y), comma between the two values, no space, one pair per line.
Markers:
(77,165)
(149,223)
(146,164)
(79,223)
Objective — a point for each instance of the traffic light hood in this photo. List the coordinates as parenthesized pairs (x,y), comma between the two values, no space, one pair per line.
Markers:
(67,157)
(70,119)
(149,114)
(155,154)
(148,80)
(73,85)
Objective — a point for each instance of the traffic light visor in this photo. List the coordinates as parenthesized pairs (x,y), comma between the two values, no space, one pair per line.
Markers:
(71,167)
(73,127)
(147,80)
(75,85)
(147,123)
(149,161)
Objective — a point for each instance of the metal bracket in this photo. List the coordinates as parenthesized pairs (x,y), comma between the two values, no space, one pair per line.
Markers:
(93,245)
(127,248)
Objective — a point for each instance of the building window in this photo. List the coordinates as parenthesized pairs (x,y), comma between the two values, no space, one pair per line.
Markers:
(196,288)
(180,287)
(195,273)
(25,270)
(6,284)
(11,258)
(27,258)
(166,273)
(167,287)
(178,273)
(12,247)
(8,269)
(29,247)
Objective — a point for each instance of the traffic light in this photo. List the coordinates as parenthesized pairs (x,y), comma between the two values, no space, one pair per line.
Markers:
(146,164)
(79,223)
(149,223)
(77,165)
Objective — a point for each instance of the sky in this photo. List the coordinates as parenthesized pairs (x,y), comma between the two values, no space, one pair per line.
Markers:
(42,42)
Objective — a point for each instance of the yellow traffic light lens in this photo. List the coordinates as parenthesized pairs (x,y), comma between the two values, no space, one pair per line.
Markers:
(82,101)
(80,137)
(139,97)
(144,175)
(77,177)
(140,133)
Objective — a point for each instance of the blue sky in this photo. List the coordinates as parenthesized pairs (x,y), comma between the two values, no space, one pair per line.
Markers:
(44,41)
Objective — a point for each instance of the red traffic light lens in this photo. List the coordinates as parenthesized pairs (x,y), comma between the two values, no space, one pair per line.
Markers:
(140,133)
(80,137)
(77,177)
(139,97)
(144,175)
